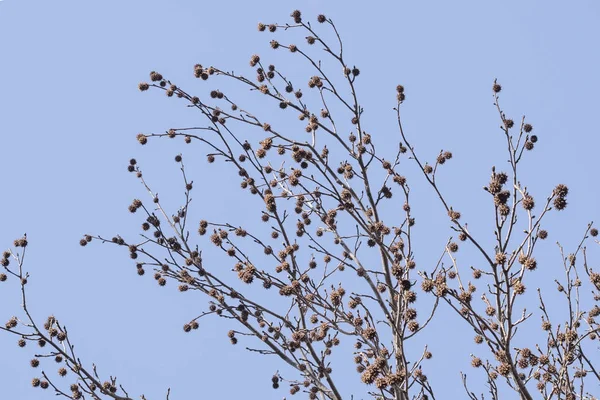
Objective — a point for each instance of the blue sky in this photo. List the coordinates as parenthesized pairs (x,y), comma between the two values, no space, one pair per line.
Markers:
(70,110)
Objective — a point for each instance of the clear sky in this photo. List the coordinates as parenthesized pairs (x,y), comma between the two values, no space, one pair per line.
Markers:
(70,111)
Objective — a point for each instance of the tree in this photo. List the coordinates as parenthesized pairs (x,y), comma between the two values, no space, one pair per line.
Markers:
(333,267)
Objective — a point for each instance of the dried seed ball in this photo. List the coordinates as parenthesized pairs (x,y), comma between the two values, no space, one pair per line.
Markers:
(321,18)
(527,128)
(155,76)
(542,234)
(594,232)
(561,190)
(519,288)
(261,27)
(500,258)
(530,263)
(560,203)
(143,86)
(529,145)
(44,384)
(533,139)
(272,28)
(310,39)
(142,138)
(454,215)
(399,179)
(62,371)
(22,343)
(502,177)
(528,202)
(509,123)
(178,158)
(35,362)
(496,88)
(183,288)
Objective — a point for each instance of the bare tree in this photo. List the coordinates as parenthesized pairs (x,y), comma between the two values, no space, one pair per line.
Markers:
(332,266)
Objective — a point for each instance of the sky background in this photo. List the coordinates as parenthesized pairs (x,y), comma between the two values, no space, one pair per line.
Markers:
(70,110)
